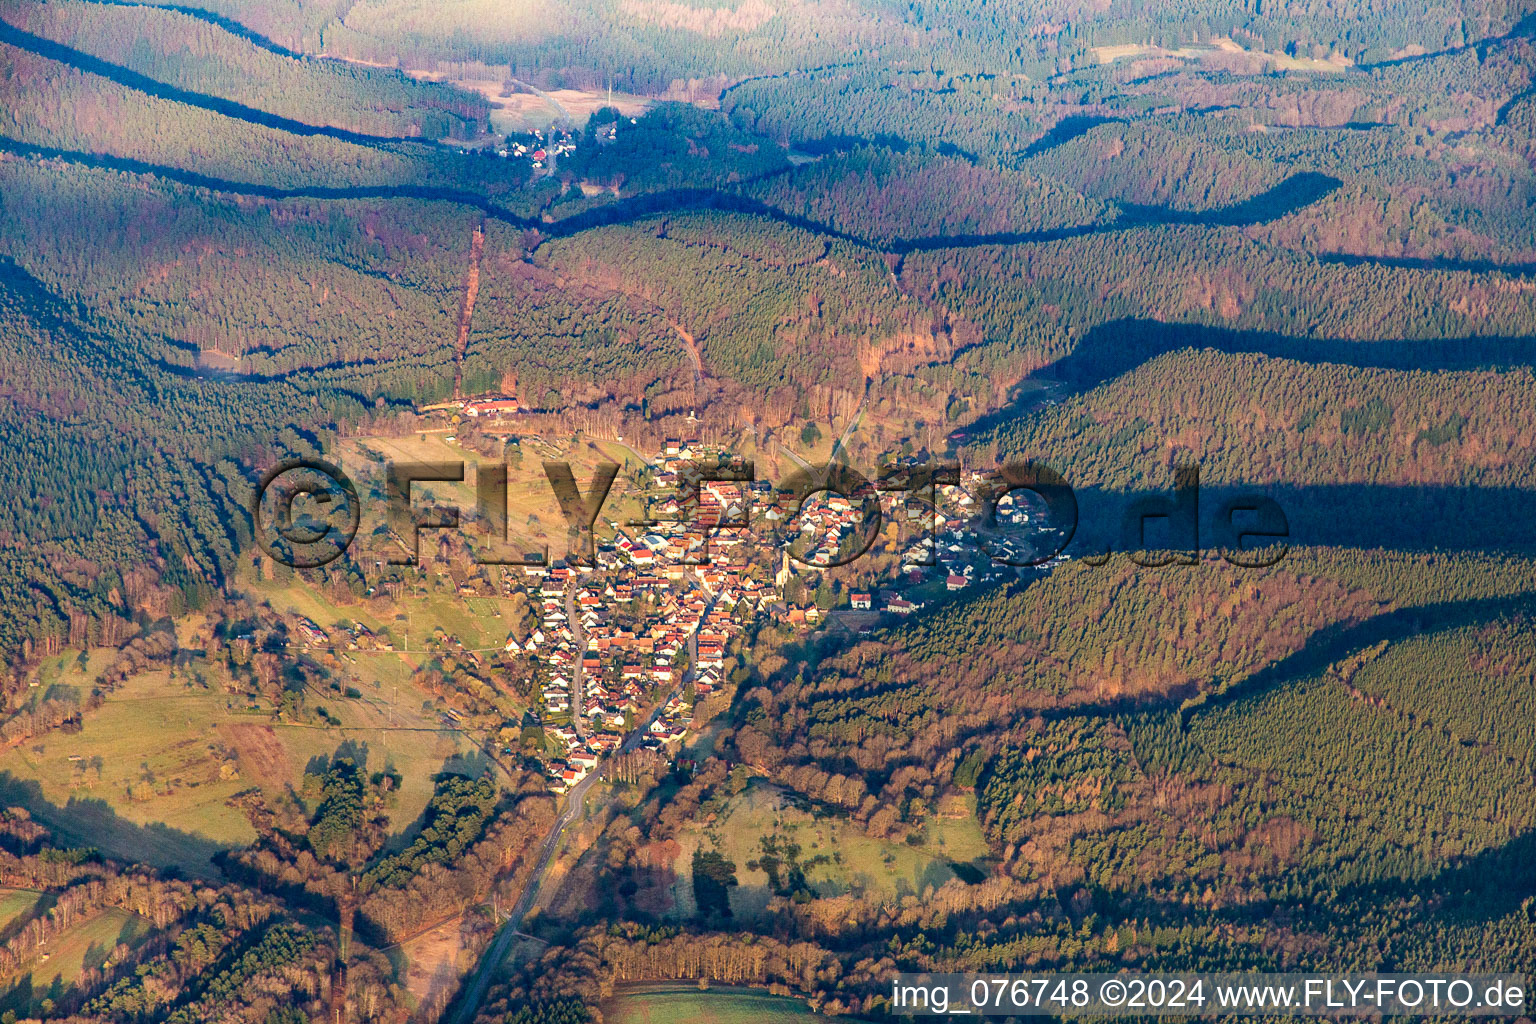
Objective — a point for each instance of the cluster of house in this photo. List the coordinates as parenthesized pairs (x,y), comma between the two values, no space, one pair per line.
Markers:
(538,148)
(625,647)
(311,634)
(352,636)
(646,627)
(950,546)
(831,527)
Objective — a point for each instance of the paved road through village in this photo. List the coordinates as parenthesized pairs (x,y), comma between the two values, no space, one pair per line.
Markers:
(473,992)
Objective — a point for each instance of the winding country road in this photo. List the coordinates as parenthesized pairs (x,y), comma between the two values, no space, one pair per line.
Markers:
(840,443)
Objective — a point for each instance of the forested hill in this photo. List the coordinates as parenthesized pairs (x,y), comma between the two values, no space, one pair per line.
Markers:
(1292,243)
(649,47)
(1075,223)
(129,483)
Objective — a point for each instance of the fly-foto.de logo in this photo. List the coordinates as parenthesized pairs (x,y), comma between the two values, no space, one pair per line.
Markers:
(306,512)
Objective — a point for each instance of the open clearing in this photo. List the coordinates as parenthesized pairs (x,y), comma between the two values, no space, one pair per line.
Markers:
(836,857)
(145,767)
(148,776)
(66,956)
(14,903)
(525,111)
(1224,45)
(434,961)
(682,1004)
(534,518)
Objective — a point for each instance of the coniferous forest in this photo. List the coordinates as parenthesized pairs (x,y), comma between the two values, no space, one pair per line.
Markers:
(1292,244)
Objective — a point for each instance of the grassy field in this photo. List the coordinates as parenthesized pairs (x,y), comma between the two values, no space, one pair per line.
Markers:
(144,769)
(148,776)
(87,944)
(14,903)
(479,623)
(837,857)
(68,669)
(414,617)
(683,1004)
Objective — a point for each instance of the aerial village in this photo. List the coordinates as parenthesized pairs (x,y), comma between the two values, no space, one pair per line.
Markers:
(654,613)
(541,149)
(538,148)
(628,643)
(666,597)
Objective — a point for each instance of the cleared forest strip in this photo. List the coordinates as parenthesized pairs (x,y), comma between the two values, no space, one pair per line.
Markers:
(467,311)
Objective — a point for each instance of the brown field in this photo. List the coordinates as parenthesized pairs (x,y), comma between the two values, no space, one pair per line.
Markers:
(433,961)
(262,753)
(525,111)
(1223,46)
(534,519)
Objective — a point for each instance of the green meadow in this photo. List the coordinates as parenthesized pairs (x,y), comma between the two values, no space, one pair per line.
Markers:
(683,1004)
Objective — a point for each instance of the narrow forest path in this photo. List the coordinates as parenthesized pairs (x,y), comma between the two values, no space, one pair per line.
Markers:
(467,311)
(694,356)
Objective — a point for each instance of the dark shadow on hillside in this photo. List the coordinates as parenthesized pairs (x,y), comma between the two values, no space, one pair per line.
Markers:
(1320,650)
(1502,116)
(1403,519)
(1338,641)
(1299,190)
(1292,194)
(1287,197)
(128,165)
(470,763)
(1524,28)
(1470,892)
(1429,521)
(1475,891)
(1409,518)
(1065,130)
(1277,202)
(1117,348)
(22,996)
(93,823)
(133,80)
(1425,263)
(353,750)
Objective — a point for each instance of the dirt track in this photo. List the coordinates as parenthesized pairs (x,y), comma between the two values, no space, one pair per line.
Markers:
(467,311)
